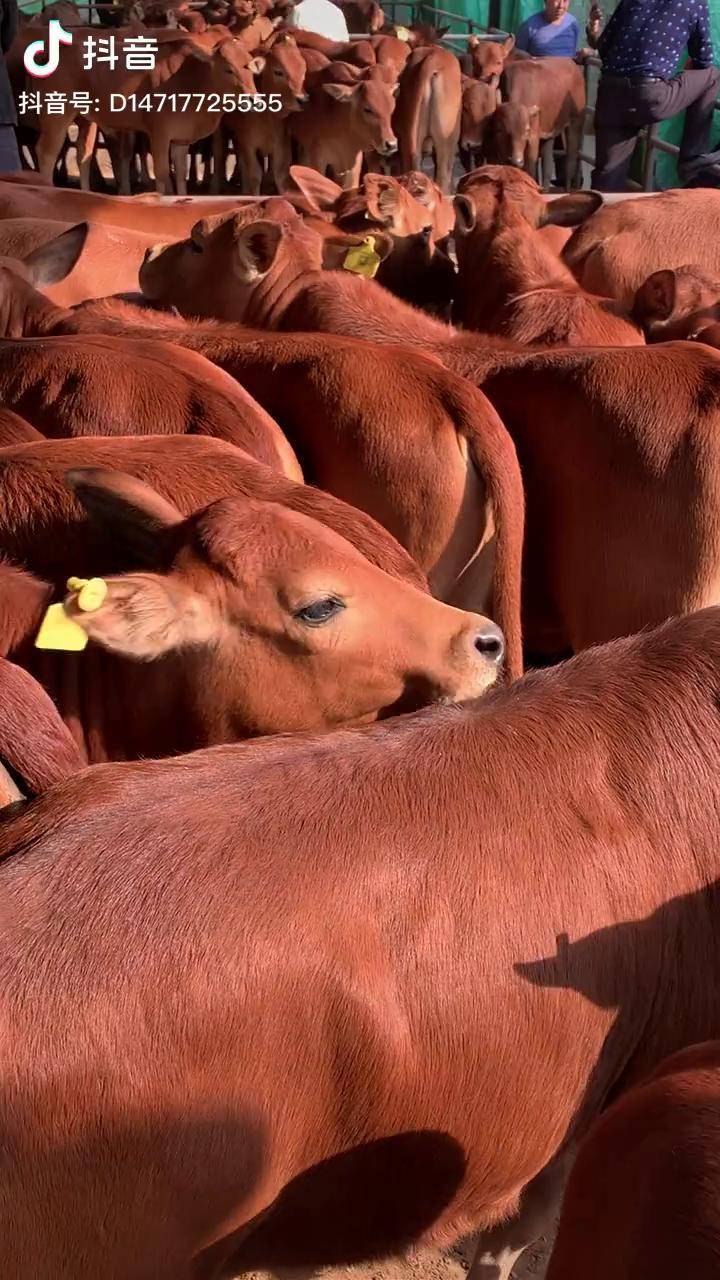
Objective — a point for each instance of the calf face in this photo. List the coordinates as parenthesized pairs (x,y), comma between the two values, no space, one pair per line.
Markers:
(369,107)
(676,303)
(488,58)
(479,101)
(234,67)
(513,135)
(284,72)
(290,627)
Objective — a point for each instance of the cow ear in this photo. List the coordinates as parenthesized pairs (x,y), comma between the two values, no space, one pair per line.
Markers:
(146,615)
(655,299)
(321,192)
(340,92)
(573,209)
(508,46)
(55,260)
(464,215)
(383,196)
(257,245)
(138,516)
(257,65)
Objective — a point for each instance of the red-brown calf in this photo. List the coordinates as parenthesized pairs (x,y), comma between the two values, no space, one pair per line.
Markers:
(343,121)
(643,1200)
(427,116)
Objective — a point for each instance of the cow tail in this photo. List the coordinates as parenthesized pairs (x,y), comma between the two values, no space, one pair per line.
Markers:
(36,747)
(493,454)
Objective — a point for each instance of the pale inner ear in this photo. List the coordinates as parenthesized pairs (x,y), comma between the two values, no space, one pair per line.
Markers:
(147,615)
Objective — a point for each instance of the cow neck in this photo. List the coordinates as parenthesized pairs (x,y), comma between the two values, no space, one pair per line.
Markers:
(512,262)
(345,304)
(274,293)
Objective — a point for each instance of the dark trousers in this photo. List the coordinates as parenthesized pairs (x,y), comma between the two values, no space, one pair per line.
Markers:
(624,107)
(9,154)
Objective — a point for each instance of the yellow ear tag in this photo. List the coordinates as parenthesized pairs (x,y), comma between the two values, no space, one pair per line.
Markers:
(58,631)
(362,259)
(91,592)
(402,33)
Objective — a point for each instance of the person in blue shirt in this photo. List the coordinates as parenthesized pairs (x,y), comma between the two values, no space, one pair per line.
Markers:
(641,48)
(554,33)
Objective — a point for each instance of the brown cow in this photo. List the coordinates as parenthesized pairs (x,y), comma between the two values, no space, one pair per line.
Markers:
(485,59)
(528,294)
(656,408)
(261,135)
(343,121)
(108,263)
(621,244)
(257,618)
(427,116)
(479,103)
(36,748)
(554,88)
(643,1200)
(411,1078)
(146,213)
(677,304)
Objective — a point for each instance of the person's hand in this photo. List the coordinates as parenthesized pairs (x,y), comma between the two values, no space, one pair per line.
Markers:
(594,22)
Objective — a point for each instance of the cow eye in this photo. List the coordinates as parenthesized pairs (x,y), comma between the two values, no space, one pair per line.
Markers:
(279,73)
(368,111)
(319,611)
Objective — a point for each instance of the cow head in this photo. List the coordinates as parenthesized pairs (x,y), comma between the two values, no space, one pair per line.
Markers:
(234,67)
(676,303)
(479,101)
(285,625)
(513,130)
(22,308)
(284,71)
(488,58)
(495,196)
(367,109)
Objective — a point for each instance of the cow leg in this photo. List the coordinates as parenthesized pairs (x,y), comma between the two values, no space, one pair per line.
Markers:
(573,145)
(219,162)
(160,148)
(49,144)
(281,160)
(499,1249)
(548,149)
(179,152)
(444,160)
(85,149)
(251,167)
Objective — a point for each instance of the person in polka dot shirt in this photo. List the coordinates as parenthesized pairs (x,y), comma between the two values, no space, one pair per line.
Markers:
(641,48)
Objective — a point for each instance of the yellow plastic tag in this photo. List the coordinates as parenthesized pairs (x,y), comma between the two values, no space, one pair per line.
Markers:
(402,33)
(91,592)
(58,631)
(362,259)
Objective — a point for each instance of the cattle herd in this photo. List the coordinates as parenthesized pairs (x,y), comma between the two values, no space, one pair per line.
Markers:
(326,933)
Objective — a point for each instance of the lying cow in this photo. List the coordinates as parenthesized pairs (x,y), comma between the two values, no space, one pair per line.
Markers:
(643,1197)
(36,748)
(254,616)
(684,303)
(528,294)
(621,244)
(208,1080)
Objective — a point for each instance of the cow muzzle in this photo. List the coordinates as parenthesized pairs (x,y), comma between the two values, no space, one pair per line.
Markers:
(302,99)
(389,148)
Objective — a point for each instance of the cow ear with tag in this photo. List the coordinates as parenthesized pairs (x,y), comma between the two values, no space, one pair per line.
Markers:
(145,616)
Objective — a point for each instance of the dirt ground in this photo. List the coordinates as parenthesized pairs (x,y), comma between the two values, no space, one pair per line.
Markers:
(431,1264)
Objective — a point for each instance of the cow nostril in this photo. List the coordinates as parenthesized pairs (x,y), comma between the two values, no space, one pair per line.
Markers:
(302,98)
(490,643)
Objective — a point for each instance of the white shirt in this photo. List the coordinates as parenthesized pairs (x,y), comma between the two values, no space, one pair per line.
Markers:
(322,17)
